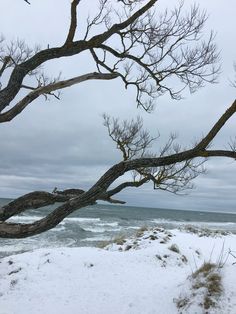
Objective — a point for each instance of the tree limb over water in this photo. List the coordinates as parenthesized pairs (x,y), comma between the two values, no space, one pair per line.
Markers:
(154,53)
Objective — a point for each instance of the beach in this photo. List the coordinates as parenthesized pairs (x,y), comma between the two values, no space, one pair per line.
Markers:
(155,271)
(94,225)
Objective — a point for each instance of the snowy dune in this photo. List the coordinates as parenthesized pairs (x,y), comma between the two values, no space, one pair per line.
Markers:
(150,273)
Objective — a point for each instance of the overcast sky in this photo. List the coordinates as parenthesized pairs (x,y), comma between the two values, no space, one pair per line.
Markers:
(64,143)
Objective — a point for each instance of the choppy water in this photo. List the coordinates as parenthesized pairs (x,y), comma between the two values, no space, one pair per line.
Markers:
(94,224)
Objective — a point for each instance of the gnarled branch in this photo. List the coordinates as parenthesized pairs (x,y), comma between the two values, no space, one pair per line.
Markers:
(48,89)
(100,188)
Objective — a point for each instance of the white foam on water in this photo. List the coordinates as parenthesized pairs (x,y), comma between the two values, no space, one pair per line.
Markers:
(35,218)
(100,229)
(59,227)
(10,248)
(96,239)
(111,224)
(24,218)
(79,219)
(162,220)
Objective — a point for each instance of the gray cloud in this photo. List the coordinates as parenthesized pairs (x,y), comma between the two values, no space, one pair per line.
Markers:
(63,143)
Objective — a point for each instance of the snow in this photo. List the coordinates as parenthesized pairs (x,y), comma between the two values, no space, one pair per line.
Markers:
(142,275)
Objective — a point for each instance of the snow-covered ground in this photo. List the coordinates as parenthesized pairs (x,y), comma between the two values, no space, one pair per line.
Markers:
(150,274)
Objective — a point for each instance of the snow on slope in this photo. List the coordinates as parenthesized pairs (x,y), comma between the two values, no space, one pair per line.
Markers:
(138,275)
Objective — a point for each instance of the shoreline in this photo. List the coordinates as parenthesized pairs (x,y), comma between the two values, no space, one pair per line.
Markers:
(149,273)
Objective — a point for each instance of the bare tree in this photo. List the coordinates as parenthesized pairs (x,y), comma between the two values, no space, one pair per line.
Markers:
(135,142)
(126,40)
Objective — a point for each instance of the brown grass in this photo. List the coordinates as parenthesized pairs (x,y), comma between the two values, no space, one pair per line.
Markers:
(141,231)
(204,269)
(208,277)
(209,280)
(119,240)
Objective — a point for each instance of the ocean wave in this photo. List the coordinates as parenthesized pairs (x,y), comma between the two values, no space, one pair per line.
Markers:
(70,219)
(59,228)
(110,224)
(10,248)
(79,219)
(96,229)
(162,220)
(96,239)
(25,218)
(194,223)
(104,209)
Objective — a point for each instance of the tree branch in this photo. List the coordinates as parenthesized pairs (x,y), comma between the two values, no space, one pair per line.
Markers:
(125,185)
(73,23)
(20,71)
(15,230)
(217,127)
(5,63)
(22,104)
(157,50)
(99,190)
(101,38)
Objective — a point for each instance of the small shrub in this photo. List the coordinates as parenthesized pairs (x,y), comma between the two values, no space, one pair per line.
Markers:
(141,231)
(208,302)
(13,282)
(165,240)
(15,271)
(184,259)
(128,247)
(120,240)
(158,257)
(152,237)
(174,248)
(214,284)
(208,277)
(103,244)
(204,232)
(204,269)
(180,303)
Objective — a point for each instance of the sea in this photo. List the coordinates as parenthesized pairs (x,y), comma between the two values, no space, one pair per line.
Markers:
(97,224)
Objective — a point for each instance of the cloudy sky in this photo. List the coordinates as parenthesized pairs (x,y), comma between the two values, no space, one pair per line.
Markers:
(64,143)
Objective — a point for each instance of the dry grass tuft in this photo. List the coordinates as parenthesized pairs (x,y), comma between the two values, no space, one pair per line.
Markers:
(204,269)
(206,282)
(209,278)
(174,248)
(141,231)
(119,240)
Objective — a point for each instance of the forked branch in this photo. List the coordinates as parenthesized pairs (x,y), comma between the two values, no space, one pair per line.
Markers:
(150,50)
(73,22)
(100,190)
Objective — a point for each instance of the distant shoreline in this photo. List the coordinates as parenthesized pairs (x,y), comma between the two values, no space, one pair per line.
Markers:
(7,200)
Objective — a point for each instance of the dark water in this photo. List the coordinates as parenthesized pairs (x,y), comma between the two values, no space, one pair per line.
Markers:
(94,224)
